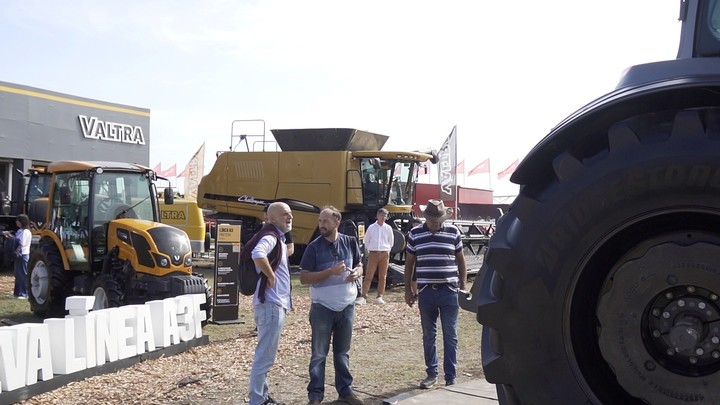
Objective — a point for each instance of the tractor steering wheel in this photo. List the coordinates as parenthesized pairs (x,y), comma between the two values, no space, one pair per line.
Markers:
(104,204)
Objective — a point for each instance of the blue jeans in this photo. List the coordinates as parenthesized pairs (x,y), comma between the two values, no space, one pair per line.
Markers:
(444,302)
(324,323)
(270,319)
(21,265)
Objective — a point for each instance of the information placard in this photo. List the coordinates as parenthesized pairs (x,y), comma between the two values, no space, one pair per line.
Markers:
(227,267)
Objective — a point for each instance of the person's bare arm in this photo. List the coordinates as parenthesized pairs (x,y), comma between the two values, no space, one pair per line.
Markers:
(462,270)
(409,268)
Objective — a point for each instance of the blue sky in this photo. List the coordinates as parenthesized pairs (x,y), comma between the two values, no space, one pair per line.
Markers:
(504,72)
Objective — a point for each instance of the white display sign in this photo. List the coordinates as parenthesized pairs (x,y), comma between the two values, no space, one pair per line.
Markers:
(86,339)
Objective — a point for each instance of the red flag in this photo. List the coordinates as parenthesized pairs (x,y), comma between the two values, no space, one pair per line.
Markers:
(483,167)
(157,169)
(510,169)
(460,168)
(171,172)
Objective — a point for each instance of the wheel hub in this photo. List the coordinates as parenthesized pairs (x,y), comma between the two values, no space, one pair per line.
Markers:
(684,330)
(659,322)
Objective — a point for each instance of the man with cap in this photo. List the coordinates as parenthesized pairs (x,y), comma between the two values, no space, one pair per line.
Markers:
(435,251)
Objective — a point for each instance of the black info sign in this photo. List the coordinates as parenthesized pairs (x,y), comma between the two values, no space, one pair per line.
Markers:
(227,267)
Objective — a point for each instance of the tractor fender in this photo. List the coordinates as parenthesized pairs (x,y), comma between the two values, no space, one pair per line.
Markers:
(661,86)
(47,234)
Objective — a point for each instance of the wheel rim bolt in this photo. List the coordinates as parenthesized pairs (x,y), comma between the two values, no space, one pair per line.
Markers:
(699,351)
(670,352)
(656,333)
(714,297)
(701,305)
(715,355)
(681,303)
(656,312)
(666,315)
(693,360)
(715,339)
(668,295)
(691,289)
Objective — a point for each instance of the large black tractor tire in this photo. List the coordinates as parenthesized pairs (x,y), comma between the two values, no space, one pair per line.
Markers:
(48,284)
(108,293)
(602,282)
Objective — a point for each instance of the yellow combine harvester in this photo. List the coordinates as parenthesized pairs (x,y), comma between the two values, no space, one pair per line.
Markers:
(316,167)
(98,232)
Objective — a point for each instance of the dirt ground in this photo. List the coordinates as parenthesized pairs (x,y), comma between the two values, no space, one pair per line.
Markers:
(386,360)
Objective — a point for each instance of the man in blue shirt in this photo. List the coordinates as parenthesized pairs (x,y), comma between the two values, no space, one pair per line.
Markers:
(435,251)
(331,264)
(270,313)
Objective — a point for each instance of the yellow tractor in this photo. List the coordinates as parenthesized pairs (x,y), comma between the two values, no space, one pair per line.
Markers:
(316,167)
(96,232)
(185,215)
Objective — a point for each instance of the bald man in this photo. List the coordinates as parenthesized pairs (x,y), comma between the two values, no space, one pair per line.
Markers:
(270,304)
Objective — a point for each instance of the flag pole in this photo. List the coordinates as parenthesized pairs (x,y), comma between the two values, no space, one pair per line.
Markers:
(457,193)
(489,175)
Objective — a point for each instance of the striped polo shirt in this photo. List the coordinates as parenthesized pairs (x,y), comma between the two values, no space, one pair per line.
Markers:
(435,254)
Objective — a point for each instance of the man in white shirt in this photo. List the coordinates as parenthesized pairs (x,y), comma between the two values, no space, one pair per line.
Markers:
(378,242)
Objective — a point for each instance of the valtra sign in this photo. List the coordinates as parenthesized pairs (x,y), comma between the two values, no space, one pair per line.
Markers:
(93,128)
(84,339)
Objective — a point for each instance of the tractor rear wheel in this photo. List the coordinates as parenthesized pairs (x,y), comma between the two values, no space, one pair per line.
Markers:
(48,283)
(602,283)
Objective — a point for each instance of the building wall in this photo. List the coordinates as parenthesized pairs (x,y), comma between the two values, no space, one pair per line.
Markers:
(39,126)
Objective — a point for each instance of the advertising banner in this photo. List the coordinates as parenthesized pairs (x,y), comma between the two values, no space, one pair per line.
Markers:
(193,173)
(447,163)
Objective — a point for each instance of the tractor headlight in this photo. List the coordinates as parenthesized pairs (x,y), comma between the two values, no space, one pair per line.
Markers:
(188,261)
(162,261)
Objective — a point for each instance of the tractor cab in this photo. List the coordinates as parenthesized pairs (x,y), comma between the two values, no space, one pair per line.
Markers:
(84,202)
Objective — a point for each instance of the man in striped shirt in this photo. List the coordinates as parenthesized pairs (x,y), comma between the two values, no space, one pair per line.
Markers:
(435,252)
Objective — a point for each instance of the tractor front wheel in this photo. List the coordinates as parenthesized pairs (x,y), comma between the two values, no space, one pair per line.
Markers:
(48,283)
(107,293)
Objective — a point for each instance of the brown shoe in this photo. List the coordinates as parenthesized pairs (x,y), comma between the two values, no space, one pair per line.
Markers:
(351,399)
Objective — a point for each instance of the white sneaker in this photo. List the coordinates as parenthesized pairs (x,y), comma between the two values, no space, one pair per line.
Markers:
(360,301)
(379,300)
